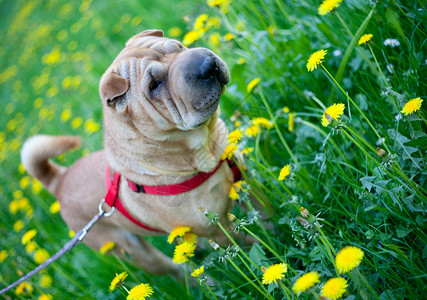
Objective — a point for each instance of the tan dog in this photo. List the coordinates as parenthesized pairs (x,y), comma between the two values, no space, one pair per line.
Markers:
(161,126)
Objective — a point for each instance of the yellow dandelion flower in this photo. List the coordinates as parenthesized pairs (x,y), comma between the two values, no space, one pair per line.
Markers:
(252,131)
(30,247)
(189,237)
(247,150)
(253,84)
(190,37)
(348,258)
(41,255)
(235,136)
(199,23)
(76,123)
(182,252)
(91,126)
(197,272)
(108,246)
(228,37)
(178,231)
(36,186)
(24,182)
(285,172)
(334,288)
(365,38)
(3,255)
(13,206)
(229,151)
(232,194)
(174,32)
(54,207)
(21,168)
(45,281)
(316,59)
(140,292)
(65,115)
(274,273)
(215,39)
(286,109)
(45,297)
(241,61)
(263,122)
(306,282)
(71,234)
(327,6)
(28,236)
(117,281)
(18,225)
(291,122)
(412,106)
(334,111)
(24,288)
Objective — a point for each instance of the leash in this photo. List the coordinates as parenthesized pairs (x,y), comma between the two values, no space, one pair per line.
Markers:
(77,239)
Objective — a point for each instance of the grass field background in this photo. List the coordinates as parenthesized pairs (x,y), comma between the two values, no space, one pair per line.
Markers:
(362,178)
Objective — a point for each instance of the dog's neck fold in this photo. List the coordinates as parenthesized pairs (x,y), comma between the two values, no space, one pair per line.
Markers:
(175,153)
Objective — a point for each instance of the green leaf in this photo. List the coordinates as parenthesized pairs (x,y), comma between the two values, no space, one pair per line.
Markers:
(350,48)
(257,254)
(402,231)
(393,20)
(367,182)
(401,140)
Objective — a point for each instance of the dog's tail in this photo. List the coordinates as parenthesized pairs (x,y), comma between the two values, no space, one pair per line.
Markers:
(35,156)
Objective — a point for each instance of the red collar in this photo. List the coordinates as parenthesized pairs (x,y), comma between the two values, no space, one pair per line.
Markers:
(113,199)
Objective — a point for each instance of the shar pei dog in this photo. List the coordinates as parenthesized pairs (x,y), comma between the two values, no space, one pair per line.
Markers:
(163,142)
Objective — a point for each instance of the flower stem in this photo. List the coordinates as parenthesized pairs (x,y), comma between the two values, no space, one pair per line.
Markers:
(209,289)
(285,290)
(279,133)
(360,48)
(187,286)
(253,274)
(264,244)
(234,243)
(382,76)
(250,281)
(366,283)
(355,105)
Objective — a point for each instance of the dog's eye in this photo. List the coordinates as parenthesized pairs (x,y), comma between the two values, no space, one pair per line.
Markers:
(154,85)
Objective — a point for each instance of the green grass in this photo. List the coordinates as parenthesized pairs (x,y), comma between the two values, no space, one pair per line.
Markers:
(363,200)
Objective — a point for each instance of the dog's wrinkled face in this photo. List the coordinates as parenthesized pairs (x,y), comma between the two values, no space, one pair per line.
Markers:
(157,81)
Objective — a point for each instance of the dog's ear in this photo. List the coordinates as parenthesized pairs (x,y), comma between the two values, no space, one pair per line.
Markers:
(145,33)
(152,32)
(112,86)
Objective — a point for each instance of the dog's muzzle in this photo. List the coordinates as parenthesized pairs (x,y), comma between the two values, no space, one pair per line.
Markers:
(204,76)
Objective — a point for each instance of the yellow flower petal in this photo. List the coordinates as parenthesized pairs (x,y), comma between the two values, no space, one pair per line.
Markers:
(334,288)
(253,84)
(412,106)
(348,259)
(316,59)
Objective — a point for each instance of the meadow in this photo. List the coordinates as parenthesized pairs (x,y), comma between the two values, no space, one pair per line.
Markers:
(325,103)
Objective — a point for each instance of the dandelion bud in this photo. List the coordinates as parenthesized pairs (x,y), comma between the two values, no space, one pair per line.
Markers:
(231,217)
(203,210)
(303,221)
(304,212)
(214,245)
(381,152)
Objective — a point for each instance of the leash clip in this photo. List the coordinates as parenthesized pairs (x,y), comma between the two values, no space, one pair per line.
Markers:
(101,211)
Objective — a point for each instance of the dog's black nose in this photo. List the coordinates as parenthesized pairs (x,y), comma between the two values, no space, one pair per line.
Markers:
(208,68)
